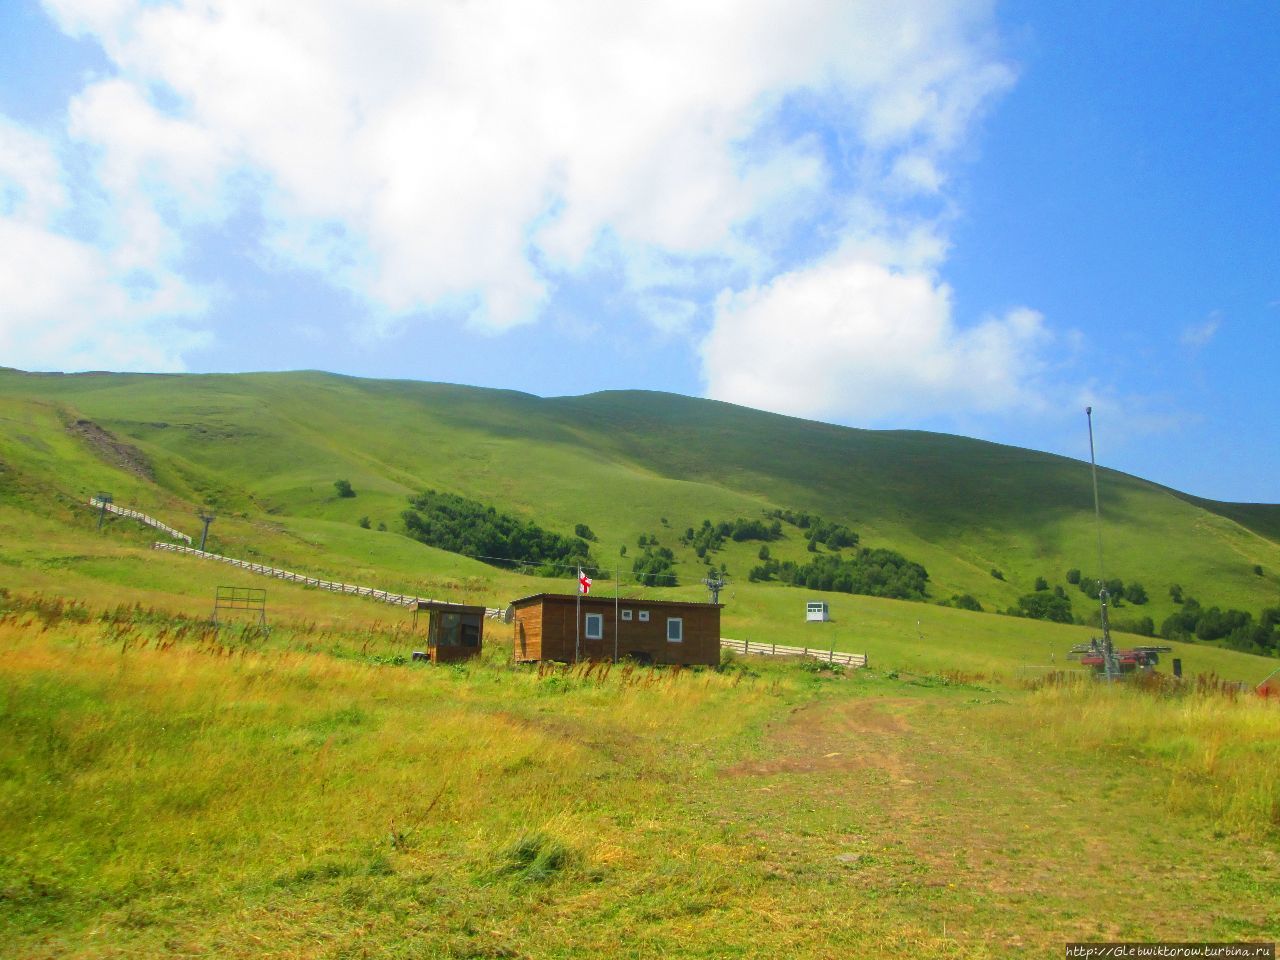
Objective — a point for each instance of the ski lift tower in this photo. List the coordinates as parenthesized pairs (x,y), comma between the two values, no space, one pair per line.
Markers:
(207,516)
(714,582)
(1110,668)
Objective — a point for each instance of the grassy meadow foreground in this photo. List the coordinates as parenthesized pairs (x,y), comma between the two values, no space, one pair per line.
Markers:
(171,789)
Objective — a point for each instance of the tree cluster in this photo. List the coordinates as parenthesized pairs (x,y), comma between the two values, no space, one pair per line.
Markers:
(1043,605)
(1235,628)
(835,536)
(459,525)
(710,537)
(962,601)
(1117,589)
(655,567)
(874,573)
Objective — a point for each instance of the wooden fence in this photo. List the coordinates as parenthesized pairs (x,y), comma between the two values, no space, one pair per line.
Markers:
(778,650)
(141,517)
(384,596)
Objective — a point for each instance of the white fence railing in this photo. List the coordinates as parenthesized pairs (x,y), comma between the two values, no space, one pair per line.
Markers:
(385,596)
(779,650)
(139,516)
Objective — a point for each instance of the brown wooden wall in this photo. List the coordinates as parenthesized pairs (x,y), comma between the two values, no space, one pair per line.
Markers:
(544,630)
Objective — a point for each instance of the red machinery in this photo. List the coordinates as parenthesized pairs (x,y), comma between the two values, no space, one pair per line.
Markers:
(1136,658)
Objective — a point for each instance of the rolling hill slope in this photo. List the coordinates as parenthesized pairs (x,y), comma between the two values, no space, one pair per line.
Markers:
(265,450)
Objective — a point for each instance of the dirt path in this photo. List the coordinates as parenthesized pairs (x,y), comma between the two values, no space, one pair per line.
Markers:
(931,806)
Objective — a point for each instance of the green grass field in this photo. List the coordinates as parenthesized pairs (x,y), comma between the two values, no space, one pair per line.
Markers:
(169,789)
(172,789)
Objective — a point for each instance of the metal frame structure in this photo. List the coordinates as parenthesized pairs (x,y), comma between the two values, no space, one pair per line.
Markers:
(253,599)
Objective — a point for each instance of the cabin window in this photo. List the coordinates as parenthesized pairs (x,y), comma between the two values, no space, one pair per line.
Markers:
(626,614)
(455,630)
(675,630)
(595,626)
(644,616)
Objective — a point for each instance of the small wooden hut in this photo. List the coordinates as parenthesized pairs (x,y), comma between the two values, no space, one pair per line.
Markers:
(454,631)
(651,631)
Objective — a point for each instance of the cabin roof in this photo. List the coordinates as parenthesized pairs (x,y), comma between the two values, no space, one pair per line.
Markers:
(444,607)
(631,601)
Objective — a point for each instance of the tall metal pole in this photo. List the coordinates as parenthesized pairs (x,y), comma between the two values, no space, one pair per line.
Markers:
(577,616)
(208,517)
(617,581)
(103,500)
(1108,653)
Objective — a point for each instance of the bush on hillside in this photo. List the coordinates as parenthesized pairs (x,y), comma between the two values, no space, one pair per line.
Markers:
(1043,606)
(1135,593)
(962,601)
(655,568)
(1232,628)
(874,573)
(344,488)
(835,536)
(710,537)
(459,525)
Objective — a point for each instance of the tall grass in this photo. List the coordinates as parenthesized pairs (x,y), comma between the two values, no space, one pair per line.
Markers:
(156,773)
(1212,751)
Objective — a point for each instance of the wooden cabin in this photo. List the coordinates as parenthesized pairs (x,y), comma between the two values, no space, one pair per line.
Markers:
(454,631)
(650,631)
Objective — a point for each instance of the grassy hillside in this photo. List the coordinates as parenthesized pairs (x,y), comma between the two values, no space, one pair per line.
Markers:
(172,788)
(265,449)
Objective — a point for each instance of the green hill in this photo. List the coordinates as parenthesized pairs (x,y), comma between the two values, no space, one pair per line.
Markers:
(265,450)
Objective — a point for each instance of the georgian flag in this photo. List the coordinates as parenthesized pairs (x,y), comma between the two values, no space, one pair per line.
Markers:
(584,582)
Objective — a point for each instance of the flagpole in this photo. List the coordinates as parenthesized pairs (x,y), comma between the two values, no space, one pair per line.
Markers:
(577,615)
(616,575)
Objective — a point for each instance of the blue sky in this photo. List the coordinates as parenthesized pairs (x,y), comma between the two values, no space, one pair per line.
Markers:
(953,216)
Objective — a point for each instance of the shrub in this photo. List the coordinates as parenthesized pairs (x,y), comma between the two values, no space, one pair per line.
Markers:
(1135,593)
(459,525)
(1043,606)
(344,488)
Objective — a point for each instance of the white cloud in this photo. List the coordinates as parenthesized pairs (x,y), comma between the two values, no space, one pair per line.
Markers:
(70,305)
(1199,335)
(421,155)
(851,337)
(463,158)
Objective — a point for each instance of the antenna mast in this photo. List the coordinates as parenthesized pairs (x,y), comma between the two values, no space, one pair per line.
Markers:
(1112,669)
